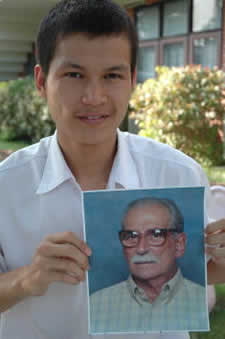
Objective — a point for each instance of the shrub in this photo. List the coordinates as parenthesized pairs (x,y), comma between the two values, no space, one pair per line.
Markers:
(185,108)
(23,113)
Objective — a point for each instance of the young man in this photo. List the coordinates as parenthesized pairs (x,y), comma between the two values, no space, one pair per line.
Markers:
(86,53)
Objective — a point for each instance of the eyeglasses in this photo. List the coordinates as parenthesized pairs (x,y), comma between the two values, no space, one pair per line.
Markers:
(154,237)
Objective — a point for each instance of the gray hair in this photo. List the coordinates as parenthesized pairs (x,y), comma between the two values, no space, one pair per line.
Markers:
(177,219)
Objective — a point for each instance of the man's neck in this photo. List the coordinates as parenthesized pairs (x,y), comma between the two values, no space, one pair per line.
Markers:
(153,287)
(90,164)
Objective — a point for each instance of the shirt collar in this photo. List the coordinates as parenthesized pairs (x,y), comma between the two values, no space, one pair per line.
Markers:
(56,170)
(123,175)
(124,171)
(169,290)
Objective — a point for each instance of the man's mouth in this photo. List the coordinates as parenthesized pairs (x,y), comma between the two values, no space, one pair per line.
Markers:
(146,262)
(93,117)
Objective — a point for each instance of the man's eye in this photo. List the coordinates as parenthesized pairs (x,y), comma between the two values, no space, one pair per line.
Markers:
(74,75)
(157,234)
(113,76)
(133,235)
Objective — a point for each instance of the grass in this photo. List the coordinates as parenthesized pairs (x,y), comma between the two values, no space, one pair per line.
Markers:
(12,145)
(216,175)
(217,318)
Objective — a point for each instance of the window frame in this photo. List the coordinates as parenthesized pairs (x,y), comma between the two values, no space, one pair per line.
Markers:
(151,43)
(171,41)
(195,36)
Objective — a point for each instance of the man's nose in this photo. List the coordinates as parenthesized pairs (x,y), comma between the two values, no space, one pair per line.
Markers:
(143,245)
(94,94)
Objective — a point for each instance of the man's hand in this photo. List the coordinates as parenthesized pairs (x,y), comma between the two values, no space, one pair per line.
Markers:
(60,257)
(215,241)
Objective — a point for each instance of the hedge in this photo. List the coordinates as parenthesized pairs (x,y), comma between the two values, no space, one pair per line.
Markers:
(23,113)
(185,108)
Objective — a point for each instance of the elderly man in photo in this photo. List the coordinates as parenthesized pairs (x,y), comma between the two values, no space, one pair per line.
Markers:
(156,296)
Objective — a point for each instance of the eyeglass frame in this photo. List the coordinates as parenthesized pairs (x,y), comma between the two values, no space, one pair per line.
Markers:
(153,231)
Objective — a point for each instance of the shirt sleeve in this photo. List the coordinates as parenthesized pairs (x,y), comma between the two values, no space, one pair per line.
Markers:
(207,197)
(207,201)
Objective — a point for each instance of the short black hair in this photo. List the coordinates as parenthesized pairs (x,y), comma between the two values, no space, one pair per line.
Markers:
(92,17)
(177,219)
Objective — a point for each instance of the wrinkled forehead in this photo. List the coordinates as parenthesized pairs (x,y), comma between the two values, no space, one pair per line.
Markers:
(147,216)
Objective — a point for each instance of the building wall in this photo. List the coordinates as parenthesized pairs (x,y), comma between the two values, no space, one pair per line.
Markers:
(131,12)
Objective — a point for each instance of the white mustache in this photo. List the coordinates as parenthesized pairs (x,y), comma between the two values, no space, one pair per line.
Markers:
(137,258)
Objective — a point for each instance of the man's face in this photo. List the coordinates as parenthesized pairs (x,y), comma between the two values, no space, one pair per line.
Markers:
(88,87)
(144,218)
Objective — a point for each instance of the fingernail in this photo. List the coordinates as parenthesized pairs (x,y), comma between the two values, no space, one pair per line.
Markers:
(89,252)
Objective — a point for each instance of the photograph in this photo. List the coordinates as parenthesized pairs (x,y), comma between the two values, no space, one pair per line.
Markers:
(148,268)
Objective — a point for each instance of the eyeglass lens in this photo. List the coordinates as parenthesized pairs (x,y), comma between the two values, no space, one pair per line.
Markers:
(154,237)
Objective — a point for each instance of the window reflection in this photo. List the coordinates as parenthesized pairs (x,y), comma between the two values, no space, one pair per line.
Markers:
(146,63)
(148,23)
(173,55)
(175,18)
(207,15)
(205,51)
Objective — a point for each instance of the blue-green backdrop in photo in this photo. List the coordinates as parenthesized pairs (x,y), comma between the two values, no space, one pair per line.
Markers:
(103,211)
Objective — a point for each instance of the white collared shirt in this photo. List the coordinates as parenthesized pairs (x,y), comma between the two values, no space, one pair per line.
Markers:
(40,196)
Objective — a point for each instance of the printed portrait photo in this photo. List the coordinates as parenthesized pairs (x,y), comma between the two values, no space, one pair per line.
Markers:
(147,271)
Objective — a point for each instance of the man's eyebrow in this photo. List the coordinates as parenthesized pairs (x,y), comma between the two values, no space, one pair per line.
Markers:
(71,64)
(120,68)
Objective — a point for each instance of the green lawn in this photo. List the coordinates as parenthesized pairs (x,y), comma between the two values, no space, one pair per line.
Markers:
(216,175)
(217,318)
(12,145)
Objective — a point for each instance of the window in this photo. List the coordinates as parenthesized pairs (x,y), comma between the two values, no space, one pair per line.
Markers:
(207,15)
(148,23)
(175,18)
(146,63)
(204,49)
(173,54)
(178,32)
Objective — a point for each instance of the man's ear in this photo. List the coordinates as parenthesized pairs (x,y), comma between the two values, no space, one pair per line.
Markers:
(181,240)
(40,78)
(134,78)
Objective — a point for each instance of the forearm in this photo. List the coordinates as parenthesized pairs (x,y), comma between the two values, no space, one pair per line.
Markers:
(216,273)
(11,290)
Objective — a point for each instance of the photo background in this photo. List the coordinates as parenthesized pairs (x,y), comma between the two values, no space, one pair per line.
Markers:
(103,212)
